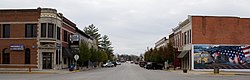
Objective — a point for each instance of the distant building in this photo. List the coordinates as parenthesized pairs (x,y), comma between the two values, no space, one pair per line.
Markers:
(162,43)
(205,41)
(177,61)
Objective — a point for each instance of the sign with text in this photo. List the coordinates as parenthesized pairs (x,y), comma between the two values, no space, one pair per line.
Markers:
(74,37)
(17,47)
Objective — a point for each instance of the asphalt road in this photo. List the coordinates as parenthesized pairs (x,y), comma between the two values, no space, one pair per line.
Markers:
(125,71)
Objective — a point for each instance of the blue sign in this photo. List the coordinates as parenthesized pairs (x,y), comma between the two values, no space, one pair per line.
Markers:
(17,47)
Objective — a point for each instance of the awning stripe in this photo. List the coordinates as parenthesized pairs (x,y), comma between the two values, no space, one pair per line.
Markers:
(182,54)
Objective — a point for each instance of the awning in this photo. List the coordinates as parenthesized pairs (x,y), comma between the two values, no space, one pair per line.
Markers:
(182,54)
(68,52)
(75,51)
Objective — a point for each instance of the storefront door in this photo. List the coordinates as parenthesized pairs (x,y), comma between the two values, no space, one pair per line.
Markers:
(47,60)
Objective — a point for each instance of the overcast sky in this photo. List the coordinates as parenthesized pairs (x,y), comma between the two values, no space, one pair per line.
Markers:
(134,25)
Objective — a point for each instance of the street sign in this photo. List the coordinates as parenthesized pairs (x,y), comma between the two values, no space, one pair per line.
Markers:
(76,57)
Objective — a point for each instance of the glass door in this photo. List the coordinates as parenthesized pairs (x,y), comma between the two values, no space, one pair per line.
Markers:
(47,60)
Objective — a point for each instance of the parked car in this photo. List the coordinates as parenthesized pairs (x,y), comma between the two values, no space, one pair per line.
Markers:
(131,62)
(108,64)
(136,62)
(118,63)
(142,63)
(149,65)
(154,65)
(114,62)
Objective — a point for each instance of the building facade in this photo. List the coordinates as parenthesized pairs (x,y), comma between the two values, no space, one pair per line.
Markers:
(37,38)
(18,38)
(207,42)
(163,42)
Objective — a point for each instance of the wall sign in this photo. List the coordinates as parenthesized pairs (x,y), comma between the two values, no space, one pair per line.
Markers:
(74,37)
(17,47)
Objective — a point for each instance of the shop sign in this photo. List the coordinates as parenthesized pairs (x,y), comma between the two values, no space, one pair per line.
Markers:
(17,47)
(74,37)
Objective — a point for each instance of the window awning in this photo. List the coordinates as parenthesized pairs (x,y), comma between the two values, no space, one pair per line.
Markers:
(68,53)
(182,54)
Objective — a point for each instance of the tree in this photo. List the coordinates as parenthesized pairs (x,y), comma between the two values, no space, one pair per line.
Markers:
(84,53)
(102,42)
(171,52)
(103,56)
(94,55)
(93,32)
(106,46)
(160,55)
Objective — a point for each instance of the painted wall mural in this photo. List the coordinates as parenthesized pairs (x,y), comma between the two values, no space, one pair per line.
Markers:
(223,57)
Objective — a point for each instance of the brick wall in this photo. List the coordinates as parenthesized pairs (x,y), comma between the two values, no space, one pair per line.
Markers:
(17,20)
(17,57)
(68,26)
(20,15)
(220,30)
(0,30)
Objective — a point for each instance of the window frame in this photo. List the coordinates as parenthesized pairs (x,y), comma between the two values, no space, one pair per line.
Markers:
(6,31)
(58,34)
(65,36)
(51,30)
(43,30)
(32,30)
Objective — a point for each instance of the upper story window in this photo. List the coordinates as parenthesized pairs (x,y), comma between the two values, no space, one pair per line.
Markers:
(51,30)
(48,30)
(6,30)
(187,37)
(58,33)
(65,36)
(43,29)
(30,30)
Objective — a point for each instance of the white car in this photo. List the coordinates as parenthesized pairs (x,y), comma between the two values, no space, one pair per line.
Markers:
(108,64)
(118,63)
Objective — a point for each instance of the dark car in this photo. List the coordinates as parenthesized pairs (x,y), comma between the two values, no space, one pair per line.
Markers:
(142,63)
(154,65)
(115,63)
(149,65)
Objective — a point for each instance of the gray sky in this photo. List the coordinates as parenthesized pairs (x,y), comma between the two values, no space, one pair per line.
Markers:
(134,25)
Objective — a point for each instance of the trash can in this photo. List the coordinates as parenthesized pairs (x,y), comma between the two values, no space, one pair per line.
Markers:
(216,70)
(184,70)
(71,67)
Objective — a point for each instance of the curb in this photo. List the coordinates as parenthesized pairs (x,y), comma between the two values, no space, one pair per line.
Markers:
(28,73)
(209,73)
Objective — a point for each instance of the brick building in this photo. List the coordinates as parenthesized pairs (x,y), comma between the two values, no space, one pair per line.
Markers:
(37,38)
(206,42)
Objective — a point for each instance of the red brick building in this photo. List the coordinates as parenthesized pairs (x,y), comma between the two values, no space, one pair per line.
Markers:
(200,38)
(37,38)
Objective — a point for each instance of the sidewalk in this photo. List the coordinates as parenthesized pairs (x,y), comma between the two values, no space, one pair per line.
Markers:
(211,72)
(61,71)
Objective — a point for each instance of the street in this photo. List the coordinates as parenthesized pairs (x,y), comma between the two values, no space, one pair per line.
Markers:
(125,71)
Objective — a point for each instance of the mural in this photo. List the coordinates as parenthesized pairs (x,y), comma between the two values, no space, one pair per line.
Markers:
(223,57)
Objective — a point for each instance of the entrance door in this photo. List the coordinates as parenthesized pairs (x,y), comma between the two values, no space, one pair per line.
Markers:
(47,60)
